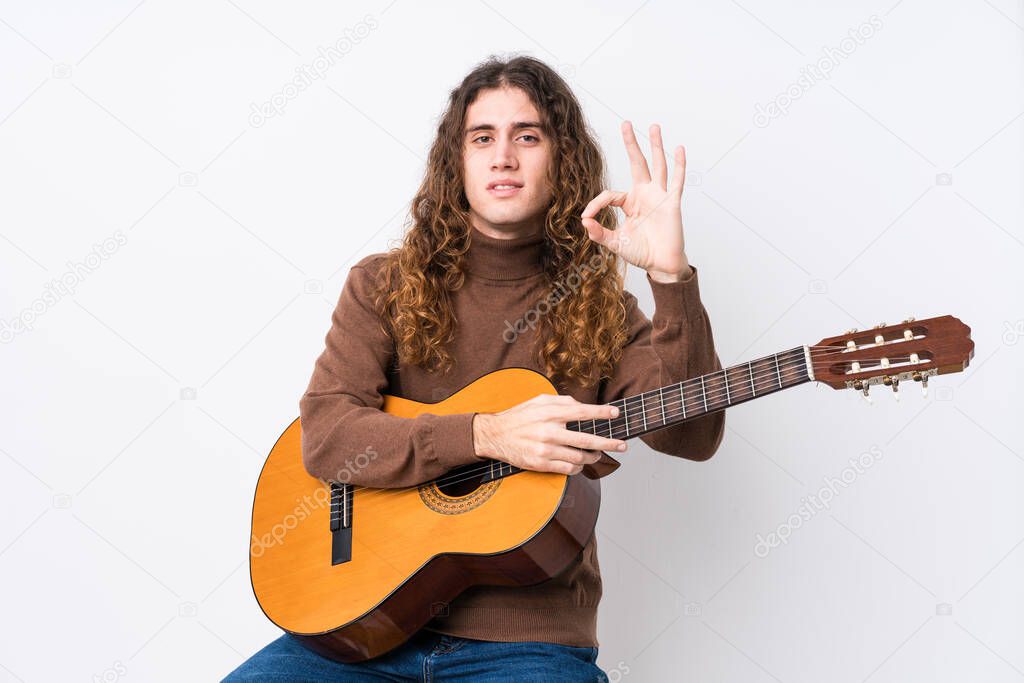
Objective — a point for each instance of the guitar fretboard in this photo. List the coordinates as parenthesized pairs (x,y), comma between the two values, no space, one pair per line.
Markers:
(691,398)
(698,396)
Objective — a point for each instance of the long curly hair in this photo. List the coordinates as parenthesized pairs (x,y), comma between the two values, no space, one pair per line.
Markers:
(582,341)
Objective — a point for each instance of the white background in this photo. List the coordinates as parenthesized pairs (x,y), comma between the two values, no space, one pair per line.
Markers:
(892,188)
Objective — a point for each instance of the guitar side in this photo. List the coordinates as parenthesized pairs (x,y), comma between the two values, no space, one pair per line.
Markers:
(414,549)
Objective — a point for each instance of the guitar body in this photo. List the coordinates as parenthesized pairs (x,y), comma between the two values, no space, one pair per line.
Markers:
(354,572)
(411,550)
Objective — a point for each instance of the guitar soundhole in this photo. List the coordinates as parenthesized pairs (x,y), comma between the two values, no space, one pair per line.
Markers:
(459,487)
(460,490)
(461,481)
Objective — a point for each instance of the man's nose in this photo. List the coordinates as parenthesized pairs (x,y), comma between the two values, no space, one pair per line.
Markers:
(504,154)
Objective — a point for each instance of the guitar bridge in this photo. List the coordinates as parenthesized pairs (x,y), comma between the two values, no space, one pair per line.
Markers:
(341,523)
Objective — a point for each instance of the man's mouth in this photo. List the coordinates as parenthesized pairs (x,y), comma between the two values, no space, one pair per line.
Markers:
(504,189)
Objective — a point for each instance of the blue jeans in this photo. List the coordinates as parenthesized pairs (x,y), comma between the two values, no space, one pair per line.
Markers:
(427,657)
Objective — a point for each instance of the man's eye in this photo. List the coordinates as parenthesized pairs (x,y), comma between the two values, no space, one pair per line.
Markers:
(533,138)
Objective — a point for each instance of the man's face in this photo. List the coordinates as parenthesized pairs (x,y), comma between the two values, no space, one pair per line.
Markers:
(504,142)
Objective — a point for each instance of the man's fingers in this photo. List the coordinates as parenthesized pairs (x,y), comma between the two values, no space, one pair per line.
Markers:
(585,411)
(658,162)
(597,232)
(589,441)
(606,198)
(561,467)
(637,162)
(574,456)
(601,235)
(679,173)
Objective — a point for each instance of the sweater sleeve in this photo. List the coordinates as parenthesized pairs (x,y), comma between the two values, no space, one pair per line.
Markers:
(346,436)
(676,345)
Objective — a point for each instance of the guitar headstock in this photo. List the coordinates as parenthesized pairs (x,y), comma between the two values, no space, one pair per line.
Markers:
(888,354)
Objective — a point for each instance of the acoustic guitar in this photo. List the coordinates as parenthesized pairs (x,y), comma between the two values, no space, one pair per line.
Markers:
(354,572)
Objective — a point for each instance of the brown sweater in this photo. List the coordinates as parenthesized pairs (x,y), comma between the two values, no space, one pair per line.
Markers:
(341,414)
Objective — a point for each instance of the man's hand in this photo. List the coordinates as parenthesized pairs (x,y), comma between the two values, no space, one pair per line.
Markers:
(652,236)
(532,435)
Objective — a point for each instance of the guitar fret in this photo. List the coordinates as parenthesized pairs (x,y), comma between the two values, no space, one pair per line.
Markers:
(801,364)
(717,391)
(724,395)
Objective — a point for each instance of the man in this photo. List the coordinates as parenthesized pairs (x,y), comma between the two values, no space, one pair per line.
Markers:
(511,210)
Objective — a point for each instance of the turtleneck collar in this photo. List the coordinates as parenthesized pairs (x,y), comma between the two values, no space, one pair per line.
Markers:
(504,259)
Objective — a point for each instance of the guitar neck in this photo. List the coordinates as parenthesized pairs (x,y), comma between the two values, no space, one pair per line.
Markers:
(690,399)
(699,396)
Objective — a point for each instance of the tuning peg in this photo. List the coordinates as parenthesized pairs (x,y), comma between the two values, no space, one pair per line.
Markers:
(918,377)
(879,325)
(851,330)
(909,320)
(864,392)
(896,388)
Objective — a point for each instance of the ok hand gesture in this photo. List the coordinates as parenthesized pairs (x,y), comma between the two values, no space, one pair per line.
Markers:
(652,235)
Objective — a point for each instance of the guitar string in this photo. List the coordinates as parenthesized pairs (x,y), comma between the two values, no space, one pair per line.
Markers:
(723,374)
(620,422)
(675,412)
(719,378)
